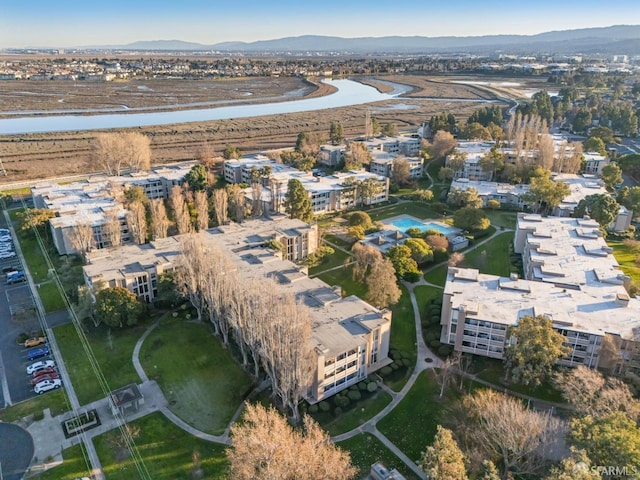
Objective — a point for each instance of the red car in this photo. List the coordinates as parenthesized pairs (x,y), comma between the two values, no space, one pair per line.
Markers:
(42,378)
(44,371)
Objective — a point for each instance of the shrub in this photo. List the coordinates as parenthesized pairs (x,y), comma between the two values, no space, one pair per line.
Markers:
(395,365)
(362,386)
(394,354)
(324,406)
(353,387)
(372,387)
(337,412)
(313,408)
(384,371)
(359,218)
(445,350)
(406,362)
(355,395)
(435,343)
(412,277)
(341,401)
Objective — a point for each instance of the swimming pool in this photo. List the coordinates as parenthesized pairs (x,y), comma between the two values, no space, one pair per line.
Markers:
(404,224)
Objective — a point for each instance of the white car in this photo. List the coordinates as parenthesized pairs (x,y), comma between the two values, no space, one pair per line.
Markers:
(40,365)
(46,385)
(7,254)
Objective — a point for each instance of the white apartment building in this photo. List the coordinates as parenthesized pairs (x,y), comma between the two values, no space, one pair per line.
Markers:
(407,145)
(331,155)
(93,201)
(507,194)
(382,164)
(349,336)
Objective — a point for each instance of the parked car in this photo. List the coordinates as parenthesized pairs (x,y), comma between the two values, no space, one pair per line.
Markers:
(34,341)
(44,371)
(37,366)
(37,352)
(7,254)
(42,378)
(5,238)
(47,385)
(17,278)
(8,270)
(4,231)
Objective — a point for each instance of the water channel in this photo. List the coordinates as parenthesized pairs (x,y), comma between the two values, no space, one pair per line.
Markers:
(348,93)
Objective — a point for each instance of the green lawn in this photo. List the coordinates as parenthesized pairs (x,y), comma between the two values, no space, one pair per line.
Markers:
(492,370)
(437,276)
(112,350)
(73,467)
(403,335)
(50,296)
(56,401)
(337,259)
(365,450)
(423,295)
(201,381)
(501,218)
(415,209)
(354,417)
(343,278)
(492,257)
(626,257)
(167,452)
(338,241)
(411,426)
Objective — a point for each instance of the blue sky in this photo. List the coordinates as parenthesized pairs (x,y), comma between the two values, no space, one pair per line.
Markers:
(67,23)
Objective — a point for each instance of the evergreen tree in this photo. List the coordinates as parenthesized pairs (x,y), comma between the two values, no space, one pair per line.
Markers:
(296,201)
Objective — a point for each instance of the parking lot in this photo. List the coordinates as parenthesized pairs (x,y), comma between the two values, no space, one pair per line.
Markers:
(18,316)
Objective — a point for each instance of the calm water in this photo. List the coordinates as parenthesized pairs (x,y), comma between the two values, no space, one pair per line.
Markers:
(349,93)
(405,224)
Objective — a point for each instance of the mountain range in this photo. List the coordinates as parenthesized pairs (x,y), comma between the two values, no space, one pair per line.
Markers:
(618,39)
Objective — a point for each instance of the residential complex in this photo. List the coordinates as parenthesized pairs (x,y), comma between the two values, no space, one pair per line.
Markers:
(350,337)
(330,193)
(571,277)
(97,202)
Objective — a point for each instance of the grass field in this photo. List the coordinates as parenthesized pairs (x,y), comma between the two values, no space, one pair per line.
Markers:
(335,260)
(51,297)
(415,209)
(626,257)
(201,381)
(354,417)
(423,295)
(500,218)
(343,278)
(403,335)
(55,401)
(73,467)
(166,450)
(112,348)
(437,276)
(365,450)
(492,257)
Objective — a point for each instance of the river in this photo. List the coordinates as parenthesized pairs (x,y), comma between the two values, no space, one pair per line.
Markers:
(348,93)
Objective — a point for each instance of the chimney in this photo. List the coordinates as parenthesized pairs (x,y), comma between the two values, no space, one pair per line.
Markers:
(622,299)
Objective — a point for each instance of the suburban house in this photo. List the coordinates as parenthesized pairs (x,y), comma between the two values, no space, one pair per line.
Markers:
(349,336)
(571,277)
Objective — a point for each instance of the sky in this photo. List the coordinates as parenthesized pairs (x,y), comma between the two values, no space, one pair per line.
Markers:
(74,23)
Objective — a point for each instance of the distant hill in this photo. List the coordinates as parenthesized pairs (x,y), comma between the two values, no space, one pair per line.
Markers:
(619,39)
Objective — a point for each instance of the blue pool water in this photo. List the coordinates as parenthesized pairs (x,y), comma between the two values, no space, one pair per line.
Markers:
(405,224)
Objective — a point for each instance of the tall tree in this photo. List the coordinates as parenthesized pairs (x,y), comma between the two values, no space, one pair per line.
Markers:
(369,189)
(630,198)
(113,228)
(420,251)
(256,199)
(443,144)
(547,193)
(296,201)
(599,206)
(190,274)
(231,152)
(180,210)
(265,447)
(492,162)
(576,467)
(382,286)
(236,202)
(336,134)
(535,349)
(611,176)
(443,460)
(220,206)
(197,178)
(114,151)
(469,197)
(400,171)
(364,257)
(472,219)
(357,156)
(36,218)
(137,222)
(403,263)
(118,307)
(390,129)
(595,144)
(159,219)
(201,202)
(82,238)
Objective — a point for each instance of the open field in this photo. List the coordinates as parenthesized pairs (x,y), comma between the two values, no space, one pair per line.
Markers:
(55,154)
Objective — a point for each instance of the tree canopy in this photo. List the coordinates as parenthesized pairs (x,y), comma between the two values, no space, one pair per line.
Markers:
(118,307)
(471,219)
(611,176)
(599,206)
(197,178)
(402,260)
(336,134)
(443,460)
(535,350)
(296,201)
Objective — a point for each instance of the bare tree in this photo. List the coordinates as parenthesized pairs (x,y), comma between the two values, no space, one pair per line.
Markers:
(357,156)
(401,170)
(159,219)
(265,447)
(180,210)
(276,191)
(112,228)
(503,428)
(443,144)
(447,371)
(256,199)
(455,259)
(201,201)
(114,151)
(364,257)
(220,206)
(190,273)
(236,202)
(137,222)
(546,149)
(82,238)
(574,160)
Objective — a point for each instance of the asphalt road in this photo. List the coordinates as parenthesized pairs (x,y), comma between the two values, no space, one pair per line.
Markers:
(16,451)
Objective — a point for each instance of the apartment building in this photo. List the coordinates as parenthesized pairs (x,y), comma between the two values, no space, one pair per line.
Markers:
(327,194)
(331,155)
(507,194)
(382,164)
(478,309)
(349,337)
(95,202)
(407,145)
